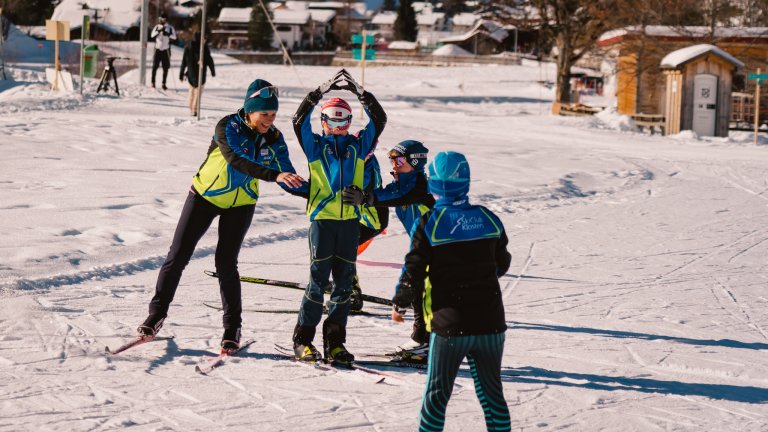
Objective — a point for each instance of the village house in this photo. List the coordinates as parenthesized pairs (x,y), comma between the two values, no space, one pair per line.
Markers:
(299,28)
(486,37)
(631,60)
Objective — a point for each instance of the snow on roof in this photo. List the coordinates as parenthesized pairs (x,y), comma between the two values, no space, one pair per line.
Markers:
(403,45)
(327,5)
(296,5)
(116,16)
(285,16)
(688,31)
(384,18)
(675,59)
(486,27)
(451,50)
(185,10)
(235,15)
(422,7)
(322,15)
(430,18)
(465,19)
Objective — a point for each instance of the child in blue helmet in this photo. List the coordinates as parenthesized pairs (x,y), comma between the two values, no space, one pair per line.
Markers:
(336,159)
(409,195)
(458,252)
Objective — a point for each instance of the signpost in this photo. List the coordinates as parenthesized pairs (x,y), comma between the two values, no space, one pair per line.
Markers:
(362,53)
(85,33)
(758,77)
(2,45)
(57,31)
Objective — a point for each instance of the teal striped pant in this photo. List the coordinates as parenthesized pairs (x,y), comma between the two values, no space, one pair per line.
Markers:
(483,353)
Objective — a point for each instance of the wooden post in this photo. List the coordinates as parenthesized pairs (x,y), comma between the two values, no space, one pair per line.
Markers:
(57,66)
(757,104)
(201,63)
(362,67)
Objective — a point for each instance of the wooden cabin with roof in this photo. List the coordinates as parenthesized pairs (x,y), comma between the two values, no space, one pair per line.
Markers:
(632,55)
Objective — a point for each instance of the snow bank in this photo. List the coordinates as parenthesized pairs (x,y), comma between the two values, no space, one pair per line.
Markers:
(612,120)
(451,50)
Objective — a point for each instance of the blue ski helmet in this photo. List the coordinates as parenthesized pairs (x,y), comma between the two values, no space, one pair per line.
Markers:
(414,152)
(449,175)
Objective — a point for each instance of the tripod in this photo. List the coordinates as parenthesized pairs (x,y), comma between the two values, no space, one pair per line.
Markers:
(109,72)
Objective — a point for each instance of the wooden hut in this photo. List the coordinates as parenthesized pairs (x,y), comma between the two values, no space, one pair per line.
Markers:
(630,60)
(699,80)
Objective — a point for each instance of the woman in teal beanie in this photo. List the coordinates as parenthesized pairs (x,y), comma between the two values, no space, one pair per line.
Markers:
(246,147)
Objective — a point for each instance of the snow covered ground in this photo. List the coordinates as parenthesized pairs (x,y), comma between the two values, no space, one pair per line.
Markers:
(636,299)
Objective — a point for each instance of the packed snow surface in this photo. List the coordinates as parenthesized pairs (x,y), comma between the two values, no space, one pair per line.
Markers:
(636,299)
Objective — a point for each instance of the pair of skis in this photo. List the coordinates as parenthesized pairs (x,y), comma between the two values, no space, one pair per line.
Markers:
(298,286)
(205,366)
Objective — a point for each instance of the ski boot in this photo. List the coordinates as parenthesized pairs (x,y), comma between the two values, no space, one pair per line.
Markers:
(337,354)
(230,342)
(150,327)
(306,352)
(412,351)
(303,350)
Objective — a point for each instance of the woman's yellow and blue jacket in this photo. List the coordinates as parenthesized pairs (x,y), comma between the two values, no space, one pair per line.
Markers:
(237,159)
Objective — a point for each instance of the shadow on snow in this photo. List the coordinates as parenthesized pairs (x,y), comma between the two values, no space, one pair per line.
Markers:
(726,343)
(733,393)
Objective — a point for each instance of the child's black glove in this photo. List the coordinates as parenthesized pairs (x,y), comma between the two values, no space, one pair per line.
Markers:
(356,196)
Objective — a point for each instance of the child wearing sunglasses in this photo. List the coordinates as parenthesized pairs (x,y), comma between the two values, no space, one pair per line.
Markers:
(409,195)
(336,160)
(226,186)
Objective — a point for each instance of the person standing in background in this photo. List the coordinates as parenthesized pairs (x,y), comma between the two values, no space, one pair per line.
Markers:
(190,64)
(163,33)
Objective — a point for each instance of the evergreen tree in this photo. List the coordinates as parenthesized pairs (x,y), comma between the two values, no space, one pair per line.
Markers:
(405,24)
(260,31)
(27,12)
(389,5)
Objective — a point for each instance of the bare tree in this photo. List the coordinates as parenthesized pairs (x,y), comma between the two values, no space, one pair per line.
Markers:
(574,26)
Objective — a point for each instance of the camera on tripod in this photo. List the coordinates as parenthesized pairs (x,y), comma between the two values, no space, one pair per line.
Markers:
(110,73)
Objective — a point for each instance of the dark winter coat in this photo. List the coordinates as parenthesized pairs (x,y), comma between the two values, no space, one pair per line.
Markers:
(458,252)
(191,65)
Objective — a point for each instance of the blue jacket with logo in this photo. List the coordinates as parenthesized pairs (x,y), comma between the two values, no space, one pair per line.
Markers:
(409,195)
(458,252)
(237,159)
(336,161)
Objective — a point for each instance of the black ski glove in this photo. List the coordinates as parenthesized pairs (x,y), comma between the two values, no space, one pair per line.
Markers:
(314,96)
(404,296)
(356,196)
(351,84)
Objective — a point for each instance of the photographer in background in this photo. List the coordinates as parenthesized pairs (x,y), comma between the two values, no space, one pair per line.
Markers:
(163,33)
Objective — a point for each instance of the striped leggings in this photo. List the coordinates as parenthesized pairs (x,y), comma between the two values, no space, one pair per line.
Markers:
(483,353)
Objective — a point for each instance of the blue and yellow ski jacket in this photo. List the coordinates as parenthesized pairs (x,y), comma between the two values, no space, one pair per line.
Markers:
(237,159)
(409,195)
(336,161)
(369,217)
(458,252)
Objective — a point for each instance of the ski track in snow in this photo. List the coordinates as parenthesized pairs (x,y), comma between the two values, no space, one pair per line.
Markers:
(140,265)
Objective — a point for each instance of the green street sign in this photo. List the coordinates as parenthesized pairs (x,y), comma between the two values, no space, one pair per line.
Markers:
(758,76)
(358,39)
(357,54)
